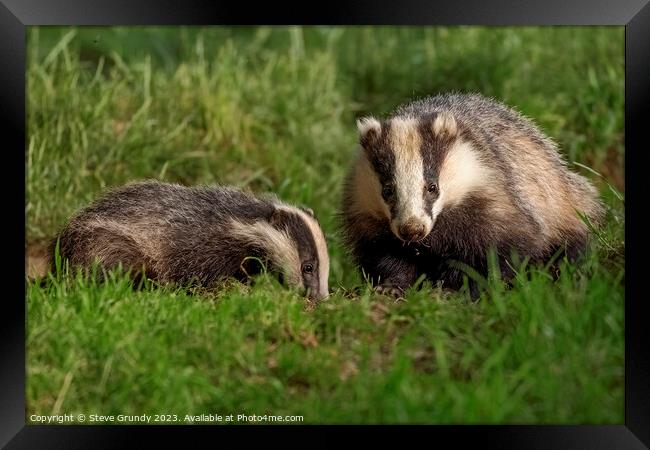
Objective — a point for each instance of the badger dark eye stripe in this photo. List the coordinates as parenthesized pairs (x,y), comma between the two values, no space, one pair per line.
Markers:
(382,158)
(297,228)
(434,146)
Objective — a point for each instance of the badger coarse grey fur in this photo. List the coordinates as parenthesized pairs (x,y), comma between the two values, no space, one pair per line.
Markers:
(445,178)
(199,235)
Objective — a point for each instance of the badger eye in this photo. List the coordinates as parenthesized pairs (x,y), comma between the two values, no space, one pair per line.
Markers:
(432,188)
(307,268)
(387,191)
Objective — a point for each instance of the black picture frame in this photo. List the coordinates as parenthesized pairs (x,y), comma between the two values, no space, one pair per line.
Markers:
(16,15)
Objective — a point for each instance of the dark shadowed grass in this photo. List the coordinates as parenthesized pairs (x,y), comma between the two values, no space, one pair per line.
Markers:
(273,110)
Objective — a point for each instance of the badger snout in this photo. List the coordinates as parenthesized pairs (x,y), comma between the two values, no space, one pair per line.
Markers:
(316,294)
(412,230)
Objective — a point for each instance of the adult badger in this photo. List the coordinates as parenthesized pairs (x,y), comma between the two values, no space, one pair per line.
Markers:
(445,178)
(200,235)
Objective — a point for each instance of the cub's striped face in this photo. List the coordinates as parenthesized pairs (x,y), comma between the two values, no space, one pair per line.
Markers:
(307,262)
(407,156)
(294,243)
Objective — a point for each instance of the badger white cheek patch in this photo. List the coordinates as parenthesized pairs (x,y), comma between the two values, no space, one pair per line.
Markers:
(461,173)
(282,251)
(367,195)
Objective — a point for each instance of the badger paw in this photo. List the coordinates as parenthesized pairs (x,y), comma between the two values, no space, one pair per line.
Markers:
(389,290)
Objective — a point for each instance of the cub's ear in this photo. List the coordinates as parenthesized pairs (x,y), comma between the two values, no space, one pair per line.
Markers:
(279,218)
(445,123)
(307,210)
(369,131)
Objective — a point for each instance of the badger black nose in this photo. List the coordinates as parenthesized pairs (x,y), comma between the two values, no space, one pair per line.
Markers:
(412,230)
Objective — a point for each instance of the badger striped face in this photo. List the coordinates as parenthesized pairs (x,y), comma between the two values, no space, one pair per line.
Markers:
(421,166)
(309,243)
(295,244)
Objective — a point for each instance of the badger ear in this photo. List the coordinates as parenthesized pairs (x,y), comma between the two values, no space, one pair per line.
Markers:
(278,218)
(307,210)
(369,131)
(445,123)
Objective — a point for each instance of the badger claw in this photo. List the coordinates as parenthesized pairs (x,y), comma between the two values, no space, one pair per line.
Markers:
(390,290)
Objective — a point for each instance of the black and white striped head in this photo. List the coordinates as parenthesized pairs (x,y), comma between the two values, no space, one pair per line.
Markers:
(295,244)
(418,166)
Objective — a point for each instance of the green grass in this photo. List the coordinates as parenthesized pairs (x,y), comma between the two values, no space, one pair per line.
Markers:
(273,110)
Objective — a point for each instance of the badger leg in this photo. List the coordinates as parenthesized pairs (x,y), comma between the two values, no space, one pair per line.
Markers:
(576,248)
(453,278)
(389,271)
(394,275)
(389,290)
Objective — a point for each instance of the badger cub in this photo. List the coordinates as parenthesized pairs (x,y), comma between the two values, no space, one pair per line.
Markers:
(202,235)
(445,178)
